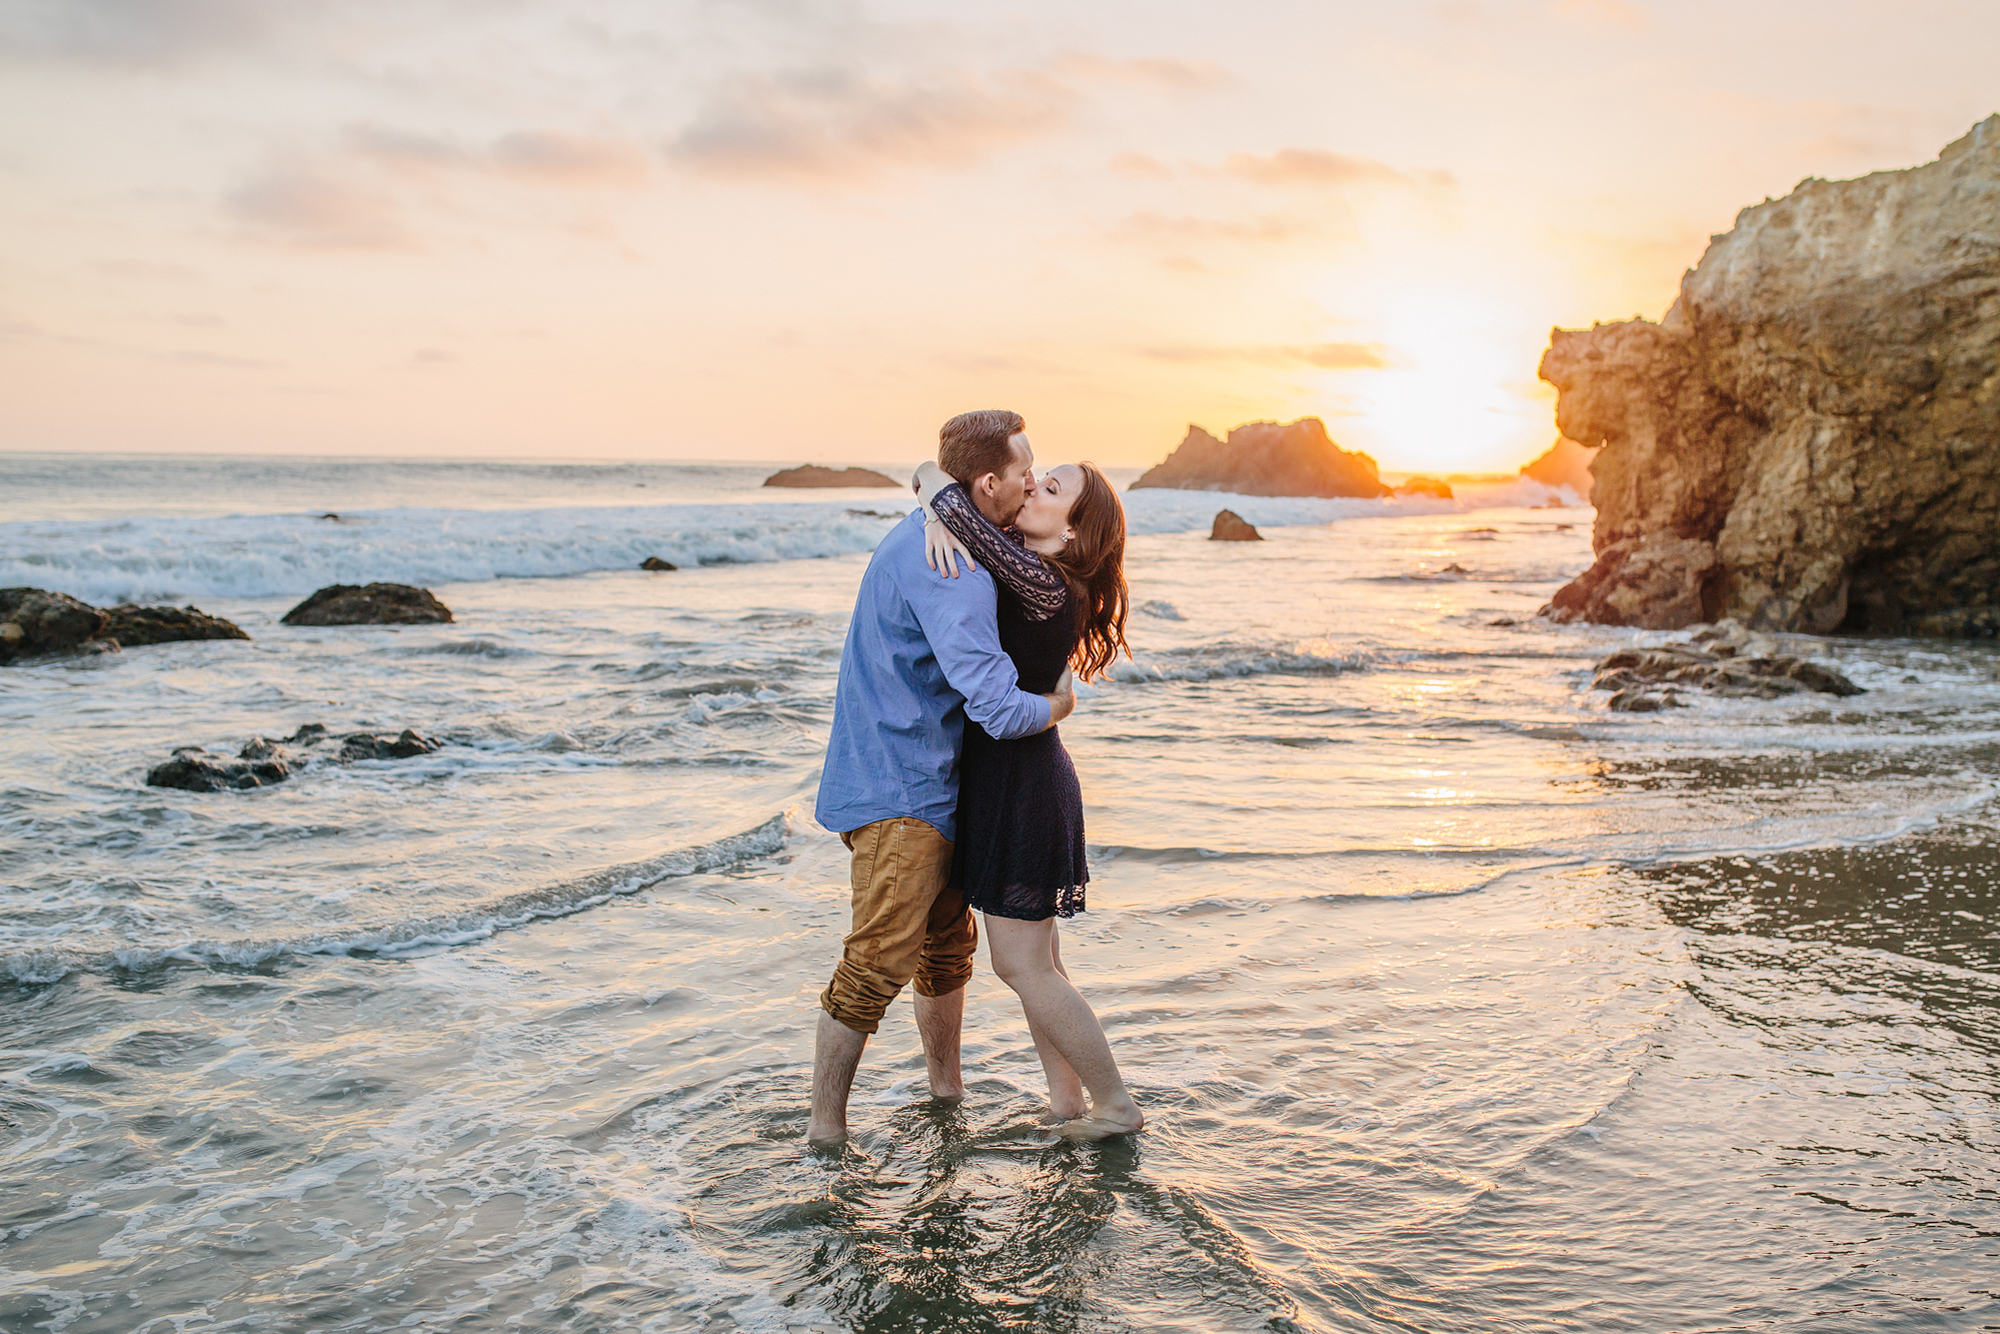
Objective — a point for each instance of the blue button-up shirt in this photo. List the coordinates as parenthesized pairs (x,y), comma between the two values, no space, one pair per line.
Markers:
(923,654)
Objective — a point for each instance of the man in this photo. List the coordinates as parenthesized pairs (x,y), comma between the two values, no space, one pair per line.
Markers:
(923,654)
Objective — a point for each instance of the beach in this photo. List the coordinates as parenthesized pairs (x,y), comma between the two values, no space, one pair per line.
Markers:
(1456,1002)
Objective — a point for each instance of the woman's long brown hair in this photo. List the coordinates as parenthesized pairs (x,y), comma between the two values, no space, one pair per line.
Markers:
(1093,561)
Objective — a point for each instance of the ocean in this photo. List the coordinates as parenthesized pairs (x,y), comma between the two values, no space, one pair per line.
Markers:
(1455,1001)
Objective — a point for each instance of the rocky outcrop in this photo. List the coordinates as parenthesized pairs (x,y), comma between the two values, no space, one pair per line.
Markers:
(1725,659)
(1266,459)
(135,626)
(814,475)
(1233,527)
(261,763)
(1565,463)
(658,566)
(372,604)
(1425,486)
(35,623)
(1810,440)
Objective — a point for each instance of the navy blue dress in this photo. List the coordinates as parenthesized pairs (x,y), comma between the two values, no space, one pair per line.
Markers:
(1020,810)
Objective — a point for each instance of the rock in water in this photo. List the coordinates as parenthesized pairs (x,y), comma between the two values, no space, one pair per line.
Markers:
(1810,440)
(1724,659)
(1425,486)
(368,746)
(1233,527)
(655,563)
(375,604)
(814,475)
(196,770)
(35,622)
(261,763)
(1565,463)
(1266,459)
(135,626)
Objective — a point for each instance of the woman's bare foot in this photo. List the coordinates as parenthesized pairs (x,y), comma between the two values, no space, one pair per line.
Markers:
(1065,1109)
(1096,1124)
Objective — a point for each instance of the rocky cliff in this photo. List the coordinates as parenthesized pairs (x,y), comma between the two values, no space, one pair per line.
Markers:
(1810,440)
(1267,459)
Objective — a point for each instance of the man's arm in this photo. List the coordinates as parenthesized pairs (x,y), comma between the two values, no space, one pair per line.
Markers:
(958,620)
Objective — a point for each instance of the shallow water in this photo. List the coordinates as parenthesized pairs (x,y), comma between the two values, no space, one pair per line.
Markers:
(1456,1002)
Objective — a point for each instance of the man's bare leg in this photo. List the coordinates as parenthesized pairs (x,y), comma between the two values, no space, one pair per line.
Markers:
(939,1019)
(836,1056)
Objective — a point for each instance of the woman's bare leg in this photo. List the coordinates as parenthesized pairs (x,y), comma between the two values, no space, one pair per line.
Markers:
(1066,1098)
(1024,957)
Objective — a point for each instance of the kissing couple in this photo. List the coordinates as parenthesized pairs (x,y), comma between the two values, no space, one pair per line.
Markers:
(945,776)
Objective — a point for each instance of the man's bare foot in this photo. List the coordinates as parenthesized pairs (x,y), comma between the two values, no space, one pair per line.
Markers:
(1126,1120)
(825,1138)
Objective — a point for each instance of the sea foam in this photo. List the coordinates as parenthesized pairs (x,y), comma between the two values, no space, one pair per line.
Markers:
(154,559)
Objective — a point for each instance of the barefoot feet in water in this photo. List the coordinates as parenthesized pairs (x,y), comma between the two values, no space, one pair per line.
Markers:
(1104,1123)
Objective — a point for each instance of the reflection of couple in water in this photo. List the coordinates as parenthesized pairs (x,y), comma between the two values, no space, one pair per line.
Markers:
(946,777)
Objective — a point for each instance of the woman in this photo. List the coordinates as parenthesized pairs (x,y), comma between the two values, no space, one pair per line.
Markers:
(1019,859)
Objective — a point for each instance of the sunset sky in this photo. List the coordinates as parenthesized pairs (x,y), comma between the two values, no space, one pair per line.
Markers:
(771,230)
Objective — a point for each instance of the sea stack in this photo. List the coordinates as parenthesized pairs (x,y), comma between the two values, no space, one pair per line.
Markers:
(1565,463)
(812,474)
(1267,459)
(1810,439)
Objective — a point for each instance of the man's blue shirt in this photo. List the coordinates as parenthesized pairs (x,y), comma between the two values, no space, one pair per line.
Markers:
(923,654)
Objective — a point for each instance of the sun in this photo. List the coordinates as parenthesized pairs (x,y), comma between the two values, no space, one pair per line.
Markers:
(1458,394)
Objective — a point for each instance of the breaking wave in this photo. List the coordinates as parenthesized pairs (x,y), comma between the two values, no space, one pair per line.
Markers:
(389,939)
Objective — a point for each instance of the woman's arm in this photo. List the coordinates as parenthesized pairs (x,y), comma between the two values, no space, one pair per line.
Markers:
(1041,590)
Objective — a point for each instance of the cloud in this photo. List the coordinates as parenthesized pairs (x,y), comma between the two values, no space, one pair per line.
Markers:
(313,206)
(834,124)
(1319,167)
(1181,229)
(220,359)
(1163,72)
(548,156)
(1621,13)
(1324,356)
(139,32)
(1143,166)
(355,196)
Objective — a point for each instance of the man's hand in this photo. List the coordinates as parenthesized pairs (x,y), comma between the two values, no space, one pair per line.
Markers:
(1062,702)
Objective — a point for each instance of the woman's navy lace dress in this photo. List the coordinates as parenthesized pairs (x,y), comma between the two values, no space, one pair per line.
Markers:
(1020,811)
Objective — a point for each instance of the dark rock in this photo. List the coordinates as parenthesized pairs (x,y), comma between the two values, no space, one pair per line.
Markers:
(35,623)
(1233,527)
(1639,699)
(1565,463)
(655,563)
(1809,440)
(375,604)
(261,763)
(1267,459)
(193,769)
(368,746)
(134,626)
(812,474)
(1714,660)
(1425,486)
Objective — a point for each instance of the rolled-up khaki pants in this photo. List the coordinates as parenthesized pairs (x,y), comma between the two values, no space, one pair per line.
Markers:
(908,923)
